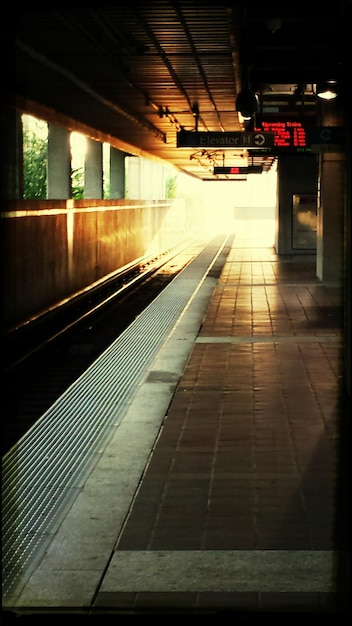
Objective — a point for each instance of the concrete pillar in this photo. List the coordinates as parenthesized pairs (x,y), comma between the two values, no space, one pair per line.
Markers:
(146,179)
(11,154)
(347,271)
(134,180)
(153,180)
(117,173)
(331,203)
(147,182)
(330,219)
(158,176)
(93,170)
(59,163)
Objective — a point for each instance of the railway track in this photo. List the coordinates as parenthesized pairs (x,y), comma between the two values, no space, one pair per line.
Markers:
(45,356)
(43,468)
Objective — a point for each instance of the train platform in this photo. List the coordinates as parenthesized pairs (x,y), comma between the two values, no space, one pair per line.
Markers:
(218,491)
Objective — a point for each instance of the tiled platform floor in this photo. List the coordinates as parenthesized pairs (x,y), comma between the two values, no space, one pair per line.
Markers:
(236,511)
(247,457)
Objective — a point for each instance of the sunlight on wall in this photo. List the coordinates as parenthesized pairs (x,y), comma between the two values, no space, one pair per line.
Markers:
(78,149)
(38,127)
(244,207)
(78,141)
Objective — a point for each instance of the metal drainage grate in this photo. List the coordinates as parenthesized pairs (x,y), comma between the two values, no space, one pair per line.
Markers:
(44,471)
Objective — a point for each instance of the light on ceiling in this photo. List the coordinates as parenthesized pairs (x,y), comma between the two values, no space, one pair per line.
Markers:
(327,90)
(247,103)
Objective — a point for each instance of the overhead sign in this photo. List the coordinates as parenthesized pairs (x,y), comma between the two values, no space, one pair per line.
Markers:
(271,136)
(287,133)
(327,138)
(251,169)
(292,137)
(250,140)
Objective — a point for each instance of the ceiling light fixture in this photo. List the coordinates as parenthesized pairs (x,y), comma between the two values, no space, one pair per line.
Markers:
(247,103)
(195,113)
(327,90)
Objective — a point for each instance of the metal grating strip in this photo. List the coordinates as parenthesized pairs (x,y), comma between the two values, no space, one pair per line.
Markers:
(43,472)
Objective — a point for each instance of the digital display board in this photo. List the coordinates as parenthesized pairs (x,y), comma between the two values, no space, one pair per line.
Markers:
(274,134)
(287,133)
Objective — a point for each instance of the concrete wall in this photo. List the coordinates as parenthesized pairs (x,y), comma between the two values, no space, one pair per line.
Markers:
(55,248)
(331,208)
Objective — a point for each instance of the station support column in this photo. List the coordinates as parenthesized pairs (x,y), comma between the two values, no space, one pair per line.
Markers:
(117,173)
(59,163)
(93,170)
(11,154)
(331,202)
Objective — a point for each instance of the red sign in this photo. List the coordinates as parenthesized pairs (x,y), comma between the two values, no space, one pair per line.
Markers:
(251,169)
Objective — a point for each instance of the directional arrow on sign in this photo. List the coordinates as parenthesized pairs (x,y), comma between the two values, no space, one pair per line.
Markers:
(326,135)
(327,138)
(259,140)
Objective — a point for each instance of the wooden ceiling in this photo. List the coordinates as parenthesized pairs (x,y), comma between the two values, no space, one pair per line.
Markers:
(137,73)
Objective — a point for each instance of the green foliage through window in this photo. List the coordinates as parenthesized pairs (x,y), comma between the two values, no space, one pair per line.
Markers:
(35,159)
(78,183)
(171,188)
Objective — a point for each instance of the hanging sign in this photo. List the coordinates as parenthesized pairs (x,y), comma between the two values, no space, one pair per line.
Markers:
(250,140)
(291,136)
(287,133)
(327,138)
(251,169)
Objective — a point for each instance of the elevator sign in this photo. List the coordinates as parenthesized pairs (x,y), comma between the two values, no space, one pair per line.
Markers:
(250,140)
